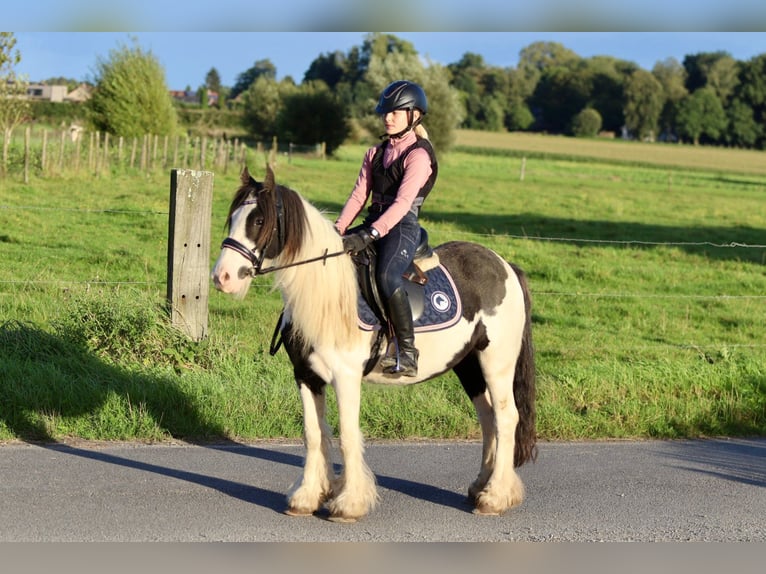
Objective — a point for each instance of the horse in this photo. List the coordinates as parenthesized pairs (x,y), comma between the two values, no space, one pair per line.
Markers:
(273,229)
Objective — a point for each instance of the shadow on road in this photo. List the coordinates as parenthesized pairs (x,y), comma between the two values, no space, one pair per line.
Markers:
(728,459)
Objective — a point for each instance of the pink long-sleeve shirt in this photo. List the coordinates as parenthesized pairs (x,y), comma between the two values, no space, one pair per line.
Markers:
(417,170)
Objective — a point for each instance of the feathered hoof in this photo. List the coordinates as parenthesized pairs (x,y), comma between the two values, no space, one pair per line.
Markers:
(488,505)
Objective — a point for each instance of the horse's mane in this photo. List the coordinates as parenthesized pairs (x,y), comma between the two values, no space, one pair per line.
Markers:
(321,297)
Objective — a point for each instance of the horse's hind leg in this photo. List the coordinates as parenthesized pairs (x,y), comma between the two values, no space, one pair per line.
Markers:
(471,377)
(486,417)
(504,489)
(487,377)
(313,489)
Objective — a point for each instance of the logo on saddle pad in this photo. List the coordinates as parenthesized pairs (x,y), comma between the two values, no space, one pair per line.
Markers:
(435,305)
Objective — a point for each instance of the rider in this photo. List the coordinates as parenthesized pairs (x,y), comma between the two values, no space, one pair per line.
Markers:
(398,173)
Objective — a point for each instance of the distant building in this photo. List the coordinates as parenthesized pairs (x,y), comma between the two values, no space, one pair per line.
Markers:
(81,93)
(192,97)
(47,93)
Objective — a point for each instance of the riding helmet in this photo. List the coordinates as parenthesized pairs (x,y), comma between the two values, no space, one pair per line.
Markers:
(402,95)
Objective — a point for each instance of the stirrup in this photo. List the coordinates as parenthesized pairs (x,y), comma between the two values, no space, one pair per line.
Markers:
(399,371)
(402,364)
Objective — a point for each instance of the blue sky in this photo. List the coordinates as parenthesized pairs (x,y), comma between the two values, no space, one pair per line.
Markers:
(188,56)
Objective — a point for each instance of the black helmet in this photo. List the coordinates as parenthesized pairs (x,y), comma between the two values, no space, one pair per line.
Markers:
(402,95)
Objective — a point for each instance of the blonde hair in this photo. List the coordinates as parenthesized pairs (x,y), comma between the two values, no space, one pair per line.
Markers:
(420,129)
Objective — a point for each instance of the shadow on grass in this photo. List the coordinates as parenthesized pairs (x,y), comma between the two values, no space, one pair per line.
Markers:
(697,240)
(44,377)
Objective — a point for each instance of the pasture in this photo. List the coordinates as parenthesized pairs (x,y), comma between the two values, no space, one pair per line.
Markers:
(646,263)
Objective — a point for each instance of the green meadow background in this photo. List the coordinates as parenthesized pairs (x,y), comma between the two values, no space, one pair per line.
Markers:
(646,262)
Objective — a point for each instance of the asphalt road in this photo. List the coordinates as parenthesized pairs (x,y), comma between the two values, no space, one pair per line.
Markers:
(707,490)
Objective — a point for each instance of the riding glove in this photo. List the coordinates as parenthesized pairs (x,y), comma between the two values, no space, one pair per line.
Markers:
(357,241)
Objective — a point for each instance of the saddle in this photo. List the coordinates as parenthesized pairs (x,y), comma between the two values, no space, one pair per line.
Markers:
(366,266)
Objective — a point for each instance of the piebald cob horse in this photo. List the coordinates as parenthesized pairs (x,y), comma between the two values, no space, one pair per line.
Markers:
(488,344)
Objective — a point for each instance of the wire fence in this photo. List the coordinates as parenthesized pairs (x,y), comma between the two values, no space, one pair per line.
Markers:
(148,161)
(729,245)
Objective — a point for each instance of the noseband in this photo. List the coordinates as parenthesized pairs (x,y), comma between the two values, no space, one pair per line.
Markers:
(250,254)
(256,260)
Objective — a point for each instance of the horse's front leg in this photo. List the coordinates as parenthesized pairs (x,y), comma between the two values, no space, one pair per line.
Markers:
(313,489)
(354,493)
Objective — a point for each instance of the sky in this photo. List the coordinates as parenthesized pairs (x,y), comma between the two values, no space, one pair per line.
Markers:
(188,56)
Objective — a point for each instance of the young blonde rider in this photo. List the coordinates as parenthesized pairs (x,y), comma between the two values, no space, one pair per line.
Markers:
(396,175)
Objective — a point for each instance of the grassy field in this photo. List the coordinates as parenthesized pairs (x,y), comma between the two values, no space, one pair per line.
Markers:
(646,264)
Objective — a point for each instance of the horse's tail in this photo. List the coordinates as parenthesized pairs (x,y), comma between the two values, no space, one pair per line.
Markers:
(524,384)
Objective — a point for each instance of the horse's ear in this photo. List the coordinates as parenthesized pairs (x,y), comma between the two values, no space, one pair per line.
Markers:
(245,176)
(270,182)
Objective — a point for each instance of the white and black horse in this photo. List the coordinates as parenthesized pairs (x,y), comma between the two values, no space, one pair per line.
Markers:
(488,345)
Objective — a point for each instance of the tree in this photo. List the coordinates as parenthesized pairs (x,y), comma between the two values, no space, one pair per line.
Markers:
(560,94)
(744,130)
(607,88)
(312,114)
(587,123)
(751,91)
(261,103)
(672,76)
(644,99)
(330,68)
(14,107)
(544,55)
(518,116)
(213,80)
(701,114)
(534,61)
(722,76)
(213,83)
(466,78)
(261,68)
(698,68)
(131,97)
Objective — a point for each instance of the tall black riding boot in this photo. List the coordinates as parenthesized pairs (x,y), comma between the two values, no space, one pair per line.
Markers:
(405,362)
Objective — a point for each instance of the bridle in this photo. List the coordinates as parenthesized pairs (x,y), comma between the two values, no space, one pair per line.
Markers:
(256,259)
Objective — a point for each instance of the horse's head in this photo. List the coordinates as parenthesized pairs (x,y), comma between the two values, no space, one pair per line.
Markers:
(256,233)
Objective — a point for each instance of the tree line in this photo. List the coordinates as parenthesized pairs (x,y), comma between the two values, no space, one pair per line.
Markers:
(709,98)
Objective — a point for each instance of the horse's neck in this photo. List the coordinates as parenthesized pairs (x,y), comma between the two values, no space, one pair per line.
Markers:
(321,296)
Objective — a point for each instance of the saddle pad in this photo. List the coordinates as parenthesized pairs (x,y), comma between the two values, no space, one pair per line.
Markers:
(441,304)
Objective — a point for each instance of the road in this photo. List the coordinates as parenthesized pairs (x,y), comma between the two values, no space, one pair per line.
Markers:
(700,490)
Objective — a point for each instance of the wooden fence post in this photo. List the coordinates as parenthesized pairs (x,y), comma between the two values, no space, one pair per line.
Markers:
(27,137)
(42,156)
(191,205)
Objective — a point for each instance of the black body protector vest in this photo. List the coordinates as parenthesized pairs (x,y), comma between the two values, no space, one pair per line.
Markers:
(386,180)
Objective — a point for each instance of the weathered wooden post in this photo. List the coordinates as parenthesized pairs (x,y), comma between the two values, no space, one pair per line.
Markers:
(27,137)
(191,205)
